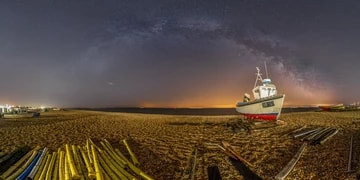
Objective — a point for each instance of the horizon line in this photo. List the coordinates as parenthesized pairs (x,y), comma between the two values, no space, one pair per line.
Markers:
(163,107)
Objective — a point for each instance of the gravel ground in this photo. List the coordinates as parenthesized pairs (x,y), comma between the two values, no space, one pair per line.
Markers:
(163,143)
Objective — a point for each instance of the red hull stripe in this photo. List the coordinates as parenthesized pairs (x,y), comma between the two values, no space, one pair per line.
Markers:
(268,117)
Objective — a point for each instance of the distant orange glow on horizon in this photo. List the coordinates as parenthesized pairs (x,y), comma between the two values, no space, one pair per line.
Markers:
(227,95)
(226,104)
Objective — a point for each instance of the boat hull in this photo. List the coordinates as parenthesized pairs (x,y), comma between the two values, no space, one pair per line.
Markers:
(339,107)
(263,109)
(22,115)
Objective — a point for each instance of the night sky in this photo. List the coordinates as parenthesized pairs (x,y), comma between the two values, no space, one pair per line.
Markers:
(167,53)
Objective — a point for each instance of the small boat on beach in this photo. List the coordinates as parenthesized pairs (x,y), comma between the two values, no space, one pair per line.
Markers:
(20,115)
(266,105)
(341,107)
(338,107)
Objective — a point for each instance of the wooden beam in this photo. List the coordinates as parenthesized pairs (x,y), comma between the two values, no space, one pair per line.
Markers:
(287,169)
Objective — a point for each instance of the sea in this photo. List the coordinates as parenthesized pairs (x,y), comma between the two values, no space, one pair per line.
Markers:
(189,111)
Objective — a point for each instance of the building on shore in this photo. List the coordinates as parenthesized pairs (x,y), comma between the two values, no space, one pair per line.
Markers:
(6,108)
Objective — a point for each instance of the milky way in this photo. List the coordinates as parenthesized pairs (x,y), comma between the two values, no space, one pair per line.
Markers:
(176,53)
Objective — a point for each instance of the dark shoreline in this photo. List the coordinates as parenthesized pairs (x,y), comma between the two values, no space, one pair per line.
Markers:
(188,111)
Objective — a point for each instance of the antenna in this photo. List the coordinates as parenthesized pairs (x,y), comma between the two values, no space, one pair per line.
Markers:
(267,76)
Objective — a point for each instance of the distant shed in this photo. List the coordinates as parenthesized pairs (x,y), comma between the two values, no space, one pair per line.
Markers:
(5,109)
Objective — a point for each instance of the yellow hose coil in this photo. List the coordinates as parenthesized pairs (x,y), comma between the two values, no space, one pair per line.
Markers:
(51,166)
(44,169)
(70,160)
(96,164)
(62,165)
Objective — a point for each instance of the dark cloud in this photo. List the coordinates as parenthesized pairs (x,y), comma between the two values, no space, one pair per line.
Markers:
(176,53)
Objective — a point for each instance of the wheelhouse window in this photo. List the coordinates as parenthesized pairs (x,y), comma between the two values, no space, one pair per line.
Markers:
(268,104)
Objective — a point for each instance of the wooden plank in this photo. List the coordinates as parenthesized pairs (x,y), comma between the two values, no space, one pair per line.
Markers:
(228,147)
(311,135)
(244,171)
(190,170)
(329,136)
(293,131)
(193,169)
(350,155)
(306,132)
(291,164)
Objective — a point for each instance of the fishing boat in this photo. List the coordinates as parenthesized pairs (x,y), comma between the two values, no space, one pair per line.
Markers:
(337,107)
(20,115)
(266,104)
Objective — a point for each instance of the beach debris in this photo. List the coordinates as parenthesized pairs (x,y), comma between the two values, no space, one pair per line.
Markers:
(237,156)
(350,156)
(239,125)
(222,148)
(15,170)
(320,135)
(51,165)
(9,159)
(190,170)
(315,136)
(37,164)
(306,132)
(213,173)
(185,123)
(291,164)
(293,131)
(30,167)
(239,163)
(229,151)
(297,130)
(245,172)
(42,162)
(73,162)
(132,155)
(329,135)
(193,169)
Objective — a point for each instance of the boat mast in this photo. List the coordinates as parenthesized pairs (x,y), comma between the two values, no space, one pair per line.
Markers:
(258,76)
(267,76)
